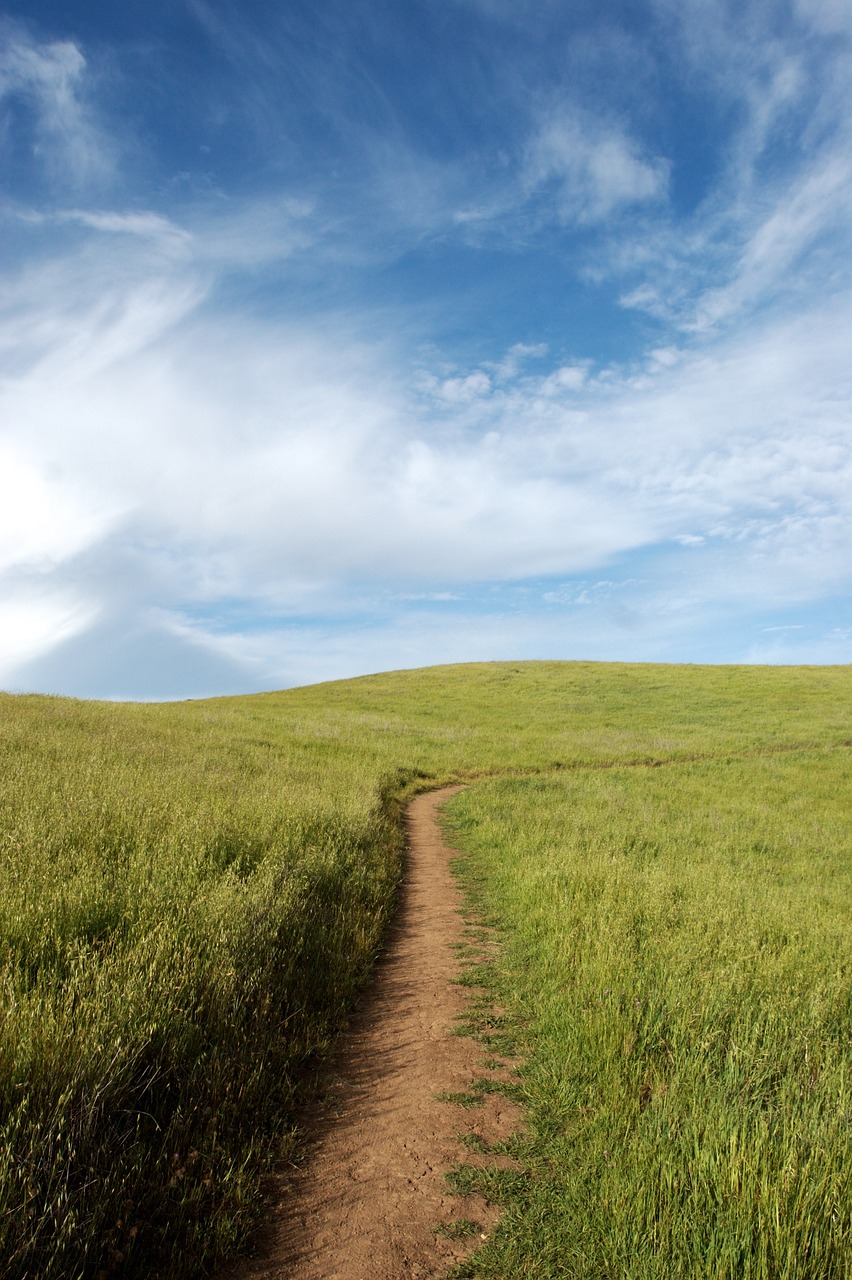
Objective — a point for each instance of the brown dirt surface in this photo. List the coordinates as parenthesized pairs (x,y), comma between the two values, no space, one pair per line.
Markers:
(368,1200)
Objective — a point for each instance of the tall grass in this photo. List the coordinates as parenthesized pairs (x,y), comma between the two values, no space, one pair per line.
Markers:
(679,956)
(180,927)
(191,895)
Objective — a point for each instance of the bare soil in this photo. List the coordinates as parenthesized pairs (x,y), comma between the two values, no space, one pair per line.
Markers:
(369,1199)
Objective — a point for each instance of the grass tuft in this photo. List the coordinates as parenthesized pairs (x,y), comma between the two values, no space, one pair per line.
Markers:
(458,1229)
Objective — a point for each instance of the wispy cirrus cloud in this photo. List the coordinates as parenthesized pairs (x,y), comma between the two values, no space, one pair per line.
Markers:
(46,82)
(775,223)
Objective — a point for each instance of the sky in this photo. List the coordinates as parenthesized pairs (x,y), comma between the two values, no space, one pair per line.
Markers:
(338,338)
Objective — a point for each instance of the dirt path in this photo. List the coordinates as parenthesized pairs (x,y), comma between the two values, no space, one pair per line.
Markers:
(366,1201)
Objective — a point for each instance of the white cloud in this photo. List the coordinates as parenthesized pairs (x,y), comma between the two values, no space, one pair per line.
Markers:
(149,226)
(256,233)
(37,621)
(202,460)
(171,445)
(49,78)
(666,356)
(43,522)
(463,390)
(774,225)
(585,593)
(231,458)
(593,166)
(518,355)
(434,596)
(814,205)
(567,378)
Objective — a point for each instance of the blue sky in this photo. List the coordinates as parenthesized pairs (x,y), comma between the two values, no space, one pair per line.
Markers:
(337,338)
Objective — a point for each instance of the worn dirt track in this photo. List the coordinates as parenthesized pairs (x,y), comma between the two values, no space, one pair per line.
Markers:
(365,1202)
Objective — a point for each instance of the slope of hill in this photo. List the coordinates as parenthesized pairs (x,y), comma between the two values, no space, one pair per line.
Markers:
(191,895)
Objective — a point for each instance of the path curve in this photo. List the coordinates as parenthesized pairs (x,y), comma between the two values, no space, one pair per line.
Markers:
(366,1200)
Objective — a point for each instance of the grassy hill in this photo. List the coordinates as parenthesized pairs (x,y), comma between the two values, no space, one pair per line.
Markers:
(191,895)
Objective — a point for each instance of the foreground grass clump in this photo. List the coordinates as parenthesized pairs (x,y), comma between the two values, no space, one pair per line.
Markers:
(679,957)
(191,894)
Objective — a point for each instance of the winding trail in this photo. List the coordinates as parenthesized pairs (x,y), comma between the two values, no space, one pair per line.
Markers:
(366,1201)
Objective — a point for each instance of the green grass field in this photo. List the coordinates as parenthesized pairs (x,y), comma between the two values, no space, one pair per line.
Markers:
(678,961)
(191,895)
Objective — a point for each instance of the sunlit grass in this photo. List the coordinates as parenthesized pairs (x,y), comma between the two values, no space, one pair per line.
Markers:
(191,895)
(679,960)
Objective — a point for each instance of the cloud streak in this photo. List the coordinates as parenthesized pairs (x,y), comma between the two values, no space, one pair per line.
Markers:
(46,81)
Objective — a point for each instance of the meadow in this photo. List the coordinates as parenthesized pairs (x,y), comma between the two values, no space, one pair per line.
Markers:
(192,894)
(677,970)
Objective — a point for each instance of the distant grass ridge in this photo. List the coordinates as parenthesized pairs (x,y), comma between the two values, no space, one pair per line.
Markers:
(191,895)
